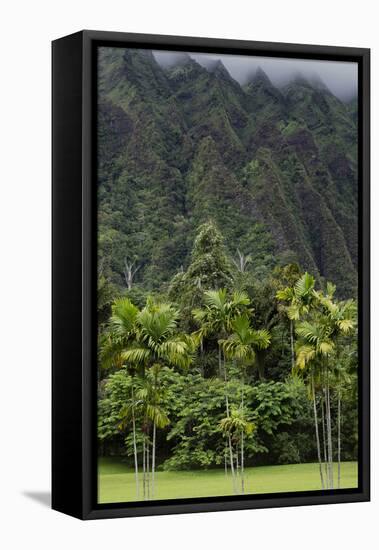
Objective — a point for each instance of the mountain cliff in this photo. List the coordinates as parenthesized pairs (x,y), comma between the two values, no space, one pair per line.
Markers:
(276,169)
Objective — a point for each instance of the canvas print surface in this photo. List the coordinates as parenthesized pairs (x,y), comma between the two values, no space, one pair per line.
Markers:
(227,275)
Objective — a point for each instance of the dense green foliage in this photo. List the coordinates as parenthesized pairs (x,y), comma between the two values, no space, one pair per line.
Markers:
(275,169)
(227,384)
(217,348)
(195,407)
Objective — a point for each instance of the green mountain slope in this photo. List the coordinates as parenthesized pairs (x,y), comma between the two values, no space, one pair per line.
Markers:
(276,169)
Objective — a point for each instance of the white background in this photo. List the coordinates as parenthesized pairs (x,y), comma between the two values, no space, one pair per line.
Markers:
(26,31)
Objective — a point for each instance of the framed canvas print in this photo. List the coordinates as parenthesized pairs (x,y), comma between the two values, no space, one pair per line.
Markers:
(210,275)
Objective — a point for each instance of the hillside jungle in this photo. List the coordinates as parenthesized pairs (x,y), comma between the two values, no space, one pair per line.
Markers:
(227,272)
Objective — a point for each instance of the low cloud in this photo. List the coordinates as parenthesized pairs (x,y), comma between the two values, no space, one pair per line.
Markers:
(339,76)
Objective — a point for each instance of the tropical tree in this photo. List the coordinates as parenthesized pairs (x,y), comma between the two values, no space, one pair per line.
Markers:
(242,346)
(241,261)
(299,298)
(216,319)
(236,427)
(148,404)
(156,343)
(209,268)
(128,414)
(157,340)
(120,332)
(130,271)
(245,341)
(342,322)
(316,350)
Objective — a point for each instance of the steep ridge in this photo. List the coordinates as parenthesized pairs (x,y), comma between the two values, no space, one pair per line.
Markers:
(275,168)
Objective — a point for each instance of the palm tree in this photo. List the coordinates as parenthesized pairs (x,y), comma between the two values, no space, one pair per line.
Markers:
(313,347)
(236,426)
(244,341)
(128,413)
(120,332)
(342,321)
(148,401)
(157,339)
(215,319)
(243,345)
(300,298)
(156,343)
(318,339)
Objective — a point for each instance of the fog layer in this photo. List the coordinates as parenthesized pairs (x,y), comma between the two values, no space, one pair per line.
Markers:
(339,76)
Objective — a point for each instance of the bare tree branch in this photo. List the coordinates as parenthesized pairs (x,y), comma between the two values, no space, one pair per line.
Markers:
(130,271)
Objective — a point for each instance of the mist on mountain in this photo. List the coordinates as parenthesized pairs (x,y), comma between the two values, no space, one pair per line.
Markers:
(340,77)
(182,141)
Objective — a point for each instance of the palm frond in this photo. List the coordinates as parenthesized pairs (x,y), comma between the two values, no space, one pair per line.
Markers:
(304,285)
(285,294)
(136,354)
(158,322)
(326,347)
(304,354)
(330,289)
(261,338)
(124,316)
(240,299)
(215,298)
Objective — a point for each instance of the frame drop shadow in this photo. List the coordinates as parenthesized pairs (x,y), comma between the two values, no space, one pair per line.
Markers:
(41,497)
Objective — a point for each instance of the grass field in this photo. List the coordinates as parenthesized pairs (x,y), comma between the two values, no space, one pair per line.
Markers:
(117,482)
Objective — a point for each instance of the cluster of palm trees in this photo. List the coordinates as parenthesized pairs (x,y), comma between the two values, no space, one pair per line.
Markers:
(229,320)
(320,323)
(146,340)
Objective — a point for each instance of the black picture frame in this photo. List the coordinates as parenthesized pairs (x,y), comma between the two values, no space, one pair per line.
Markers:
(74,470)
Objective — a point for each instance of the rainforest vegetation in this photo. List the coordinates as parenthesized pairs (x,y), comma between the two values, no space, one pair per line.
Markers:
(224,371)
(227,274)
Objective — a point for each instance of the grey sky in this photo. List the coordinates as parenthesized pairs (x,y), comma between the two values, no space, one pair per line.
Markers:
(339,76)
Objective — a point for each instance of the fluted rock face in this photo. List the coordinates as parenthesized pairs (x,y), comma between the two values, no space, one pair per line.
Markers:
(276,169)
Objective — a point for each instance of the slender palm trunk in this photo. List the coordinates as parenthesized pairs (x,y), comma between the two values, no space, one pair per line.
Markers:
(232,463)
(227,405)
(292,346)
(339,439)
(226,460)
(144,466)
(227,414)
(324,437)
(242,464)
(242,439)
(316,430)
(153,461)
(148,467)
(226,392)
(201,357)
(329,431)
(135,446)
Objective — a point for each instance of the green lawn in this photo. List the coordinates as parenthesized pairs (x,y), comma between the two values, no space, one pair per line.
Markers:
(117,482)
